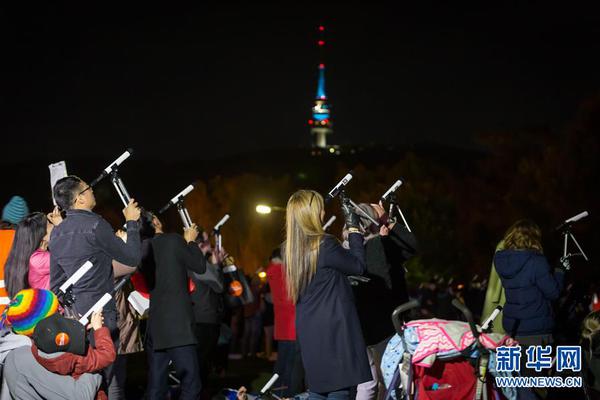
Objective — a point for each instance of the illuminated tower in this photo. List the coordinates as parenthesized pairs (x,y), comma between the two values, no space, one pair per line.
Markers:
(320,124)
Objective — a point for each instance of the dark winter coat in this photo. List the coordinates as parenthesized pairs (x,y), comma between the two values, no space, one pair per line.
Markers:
(171,318)
(86,236)
(327,326)
(530,288)
(207,297)
(386,290)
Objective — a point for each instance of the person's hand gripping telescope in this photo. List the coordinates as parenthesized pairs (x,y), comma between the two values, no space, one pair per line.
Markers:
(351,219)
(132,211)
(191,234)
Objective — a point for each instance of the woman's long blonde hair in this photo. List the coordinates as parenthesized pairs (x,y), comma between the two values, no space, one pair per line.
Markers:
(303,231)
(523,234)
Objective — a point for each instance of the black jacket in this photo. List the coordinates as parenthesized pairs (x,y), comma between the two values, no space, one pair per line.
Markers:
(83,236)
(207,297)
(377,299)
(171,319)
(327,327)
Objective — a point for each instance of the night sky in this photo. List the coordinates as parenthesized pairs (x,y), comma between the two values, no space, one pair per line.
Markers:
(213,81)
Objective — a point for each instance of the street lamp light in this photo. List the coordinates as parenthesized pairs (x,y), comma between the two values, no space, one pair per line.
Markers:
(265,209)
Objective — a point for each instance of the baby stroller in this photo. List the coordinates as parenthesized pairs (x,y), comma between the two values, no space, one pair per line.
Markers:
(438,359)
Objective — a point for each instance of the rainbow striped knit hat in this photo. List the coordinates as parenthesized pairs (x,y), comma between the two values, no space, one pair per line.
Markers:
(29,307)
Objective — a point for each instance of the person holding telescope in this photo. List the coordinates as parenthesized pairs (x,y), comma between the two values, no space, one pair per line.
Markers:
(316,267)
(530,286)
(171,336)
(83,236)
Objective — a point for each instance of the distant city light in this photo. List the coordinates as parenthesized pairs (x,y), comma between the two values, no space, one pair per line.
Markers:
(321,42)
(321,28)
(321,66)
(331,150)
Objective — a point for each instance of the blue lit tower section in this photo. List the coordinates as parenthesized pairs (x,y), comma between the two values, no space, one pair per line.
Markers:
(320,124)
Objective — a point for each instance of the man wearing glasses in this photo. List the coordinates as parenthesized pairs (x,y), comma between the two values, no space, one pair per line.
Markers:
(86,236)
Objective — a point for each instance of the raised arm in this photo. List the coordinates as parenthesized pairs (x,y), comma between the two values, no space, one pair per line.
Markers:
(191,256)
(406,241)
(128,253)
(349,262)
(98,357)
(550,284)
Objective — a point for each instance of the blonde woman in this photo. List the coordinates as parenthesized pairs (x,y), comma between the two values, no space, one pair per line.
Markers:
(327,326)
(529,284)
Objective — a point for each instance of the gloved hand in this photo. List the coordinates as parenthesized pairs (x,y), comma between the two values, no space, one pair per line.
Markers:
(352,220)
(564,265)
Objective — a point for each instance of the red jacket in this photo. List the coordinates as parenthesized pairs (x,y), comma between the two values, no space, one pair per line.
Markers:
(284,309)
(95,360)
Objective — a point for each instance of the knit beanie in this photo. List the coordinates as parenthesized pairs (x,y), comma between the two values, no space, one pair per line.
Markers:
(29,307)
(15,210)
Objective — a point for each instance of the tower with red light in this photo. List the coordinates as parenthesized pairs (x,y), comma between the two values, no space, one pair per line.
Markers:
(320,123)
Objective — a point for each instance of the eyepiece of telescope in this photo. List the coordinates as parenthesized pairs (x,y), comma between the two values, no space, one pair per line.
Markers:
(392,189)
(221,223)
(95,308)
(177,198)
(575,218)
(341,184)
(486,324)
(118,161)
(578,217)
(269,384)
(76,276)
(112,166)
(329,222)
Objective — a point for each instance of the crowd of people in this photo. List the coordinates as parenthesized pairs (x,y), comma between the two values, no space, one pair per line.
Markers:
(321,305)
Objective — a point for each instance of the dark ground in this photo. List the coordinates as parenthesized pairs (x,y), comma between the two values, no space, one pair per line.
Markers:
(252,373)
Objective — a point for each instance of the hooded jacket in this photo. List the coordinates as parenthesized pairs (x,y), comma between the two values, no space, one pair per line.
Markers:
(96,358)
(530,288)
(26,379)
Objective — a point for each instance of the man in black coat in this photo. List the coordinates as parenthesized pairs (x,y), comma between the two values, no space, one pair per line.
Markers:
(386,250)
(171,331)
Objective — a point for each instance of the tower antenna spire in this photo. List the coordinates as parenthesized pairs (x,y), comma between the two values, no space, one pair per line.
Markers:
(320,124)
